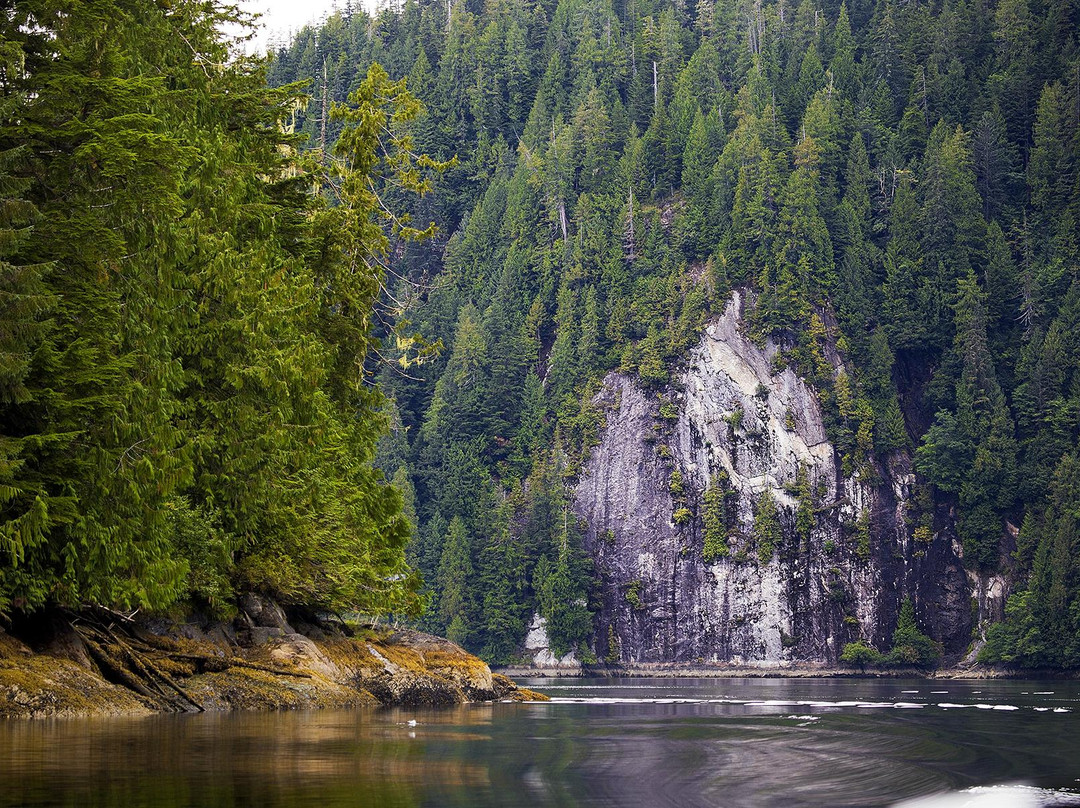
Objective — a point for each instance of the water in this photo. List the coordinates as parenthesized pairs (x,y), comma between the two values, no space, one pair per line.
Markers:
(601,742)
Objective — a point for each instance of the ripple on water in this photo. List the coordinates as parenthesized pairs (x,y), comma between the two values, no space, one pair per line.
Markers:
(685,743)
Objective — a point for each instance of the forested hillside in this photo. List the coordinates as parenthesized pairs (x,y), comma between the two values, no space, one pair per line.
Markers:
(900,180)
(183,412)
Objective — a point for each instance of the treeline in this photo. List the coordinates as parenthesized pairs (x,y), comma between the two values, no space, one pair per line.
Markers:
(183,410)
(900,179)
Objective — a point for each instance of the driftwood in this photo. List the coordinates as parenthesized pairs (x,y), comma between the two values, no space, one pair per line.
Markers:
(128,668)
(146,665)
(112,670)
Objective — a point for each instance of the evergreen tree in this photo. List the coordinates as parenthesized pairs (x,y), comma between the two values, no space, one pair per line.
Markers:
(1042,629)
(909,645)
(973,452)
(191,419)
(455,584)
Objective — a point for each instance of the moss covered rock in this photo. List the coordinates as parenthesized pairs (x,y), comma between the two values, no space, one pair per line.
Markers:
(100,664)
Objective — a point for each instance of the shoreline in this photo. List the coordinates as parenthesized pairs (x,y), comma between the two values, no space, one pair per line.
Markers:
(677,670)
(99,663)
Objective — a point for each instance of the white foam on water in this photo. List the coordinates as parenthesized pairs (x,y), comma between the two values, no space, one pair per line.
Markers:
(815,704)
(774,703)
(1002,796)
(726,701)
(605,687)
(617,700)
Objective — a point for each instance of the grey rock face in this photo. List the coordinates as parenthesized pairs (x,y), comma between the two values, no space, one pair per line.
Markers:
(537,647)
(736,420)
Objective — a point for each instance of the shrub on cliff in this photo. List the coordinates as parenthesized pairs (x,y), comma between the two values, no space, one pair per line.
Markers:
(860,654)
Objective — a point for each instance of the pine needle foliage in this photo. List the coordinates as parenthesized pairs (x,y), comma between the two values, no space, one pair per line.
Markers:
(184,408)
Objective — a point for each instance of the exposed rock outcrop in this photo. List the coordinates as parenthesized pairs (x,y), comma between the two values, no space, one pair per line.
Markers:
(99,665)
(740,421)
(537,648)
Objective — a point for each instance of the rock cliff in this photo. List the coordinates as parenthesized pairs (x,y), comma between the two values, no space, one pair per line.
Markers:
(751,430)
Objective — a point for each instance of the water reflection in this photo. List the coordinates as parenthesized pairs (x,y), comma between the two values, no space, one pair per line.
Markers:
(601,742)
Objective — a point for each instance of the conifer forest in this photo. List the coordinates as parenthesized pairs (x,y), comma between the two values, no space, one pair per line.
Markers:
(362,325)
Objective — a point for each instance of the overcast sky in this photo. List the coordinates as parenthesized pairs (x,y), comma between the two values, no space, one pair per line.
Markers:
(280,17)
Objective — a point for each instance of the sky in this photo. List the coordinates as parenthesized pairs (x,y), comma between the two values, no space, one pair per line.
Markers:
(280,17)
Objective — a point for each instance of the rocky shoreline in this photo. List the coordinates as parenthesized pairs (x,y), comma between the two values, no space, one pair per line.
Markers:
(100,664)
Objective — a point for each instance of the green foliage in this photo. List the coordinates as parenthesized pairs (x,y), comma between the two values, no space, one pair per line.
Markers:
(185,410)
(614,647)
(668,410)
(206,549)
(735,418)
(900,200)
(633,595)
(455,568)
(973,451)
(719,516)
(675,484)
(909,645)
(766,532)
(862,535)
(804,510)
(860,654)
(561,601)
(1042,627)
(193,312)
(501,577)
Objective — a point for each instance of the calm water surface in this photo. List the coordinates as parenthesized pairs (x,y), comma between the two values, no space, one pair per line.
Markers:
(601,742)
